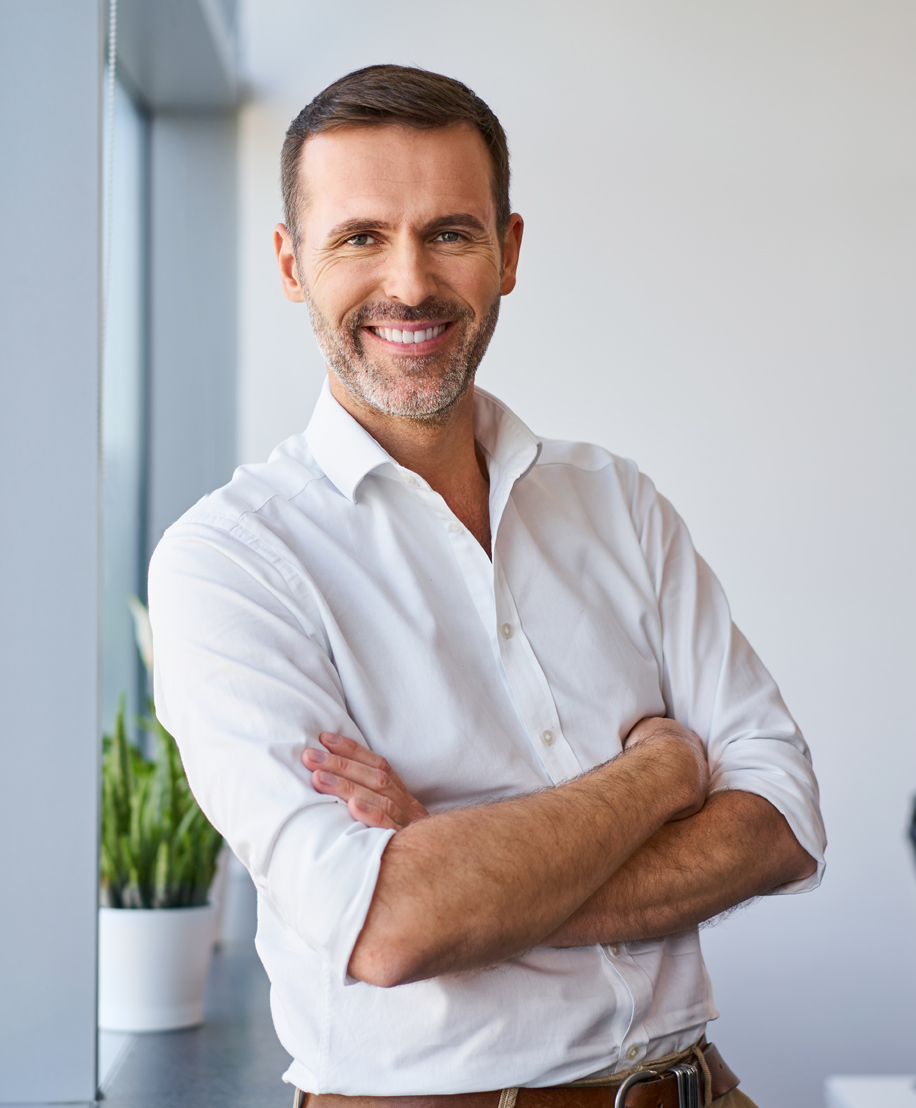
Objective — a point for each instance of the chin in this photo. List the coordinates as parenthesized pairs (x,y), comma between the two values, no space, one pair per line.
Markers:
(427,399)
(412,403)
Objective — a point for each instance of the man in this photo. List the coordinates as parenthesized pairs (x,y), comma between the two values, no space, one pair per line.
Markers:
(466,703)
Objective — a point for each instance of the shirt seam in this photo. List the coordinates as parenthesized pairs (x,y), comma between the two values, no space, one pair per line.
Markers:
(612,462)
(225,522)
(297,581)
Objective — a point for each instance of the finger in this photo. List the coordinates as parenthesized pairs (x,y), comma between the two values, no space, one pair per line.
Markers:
(375,778)
(349,748)
(329,784)
(370,815)
(351,753)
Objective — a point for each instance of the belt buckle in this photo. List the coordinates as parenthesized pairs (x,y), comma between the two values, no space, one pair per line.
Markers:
(688,1085)
(640,1075)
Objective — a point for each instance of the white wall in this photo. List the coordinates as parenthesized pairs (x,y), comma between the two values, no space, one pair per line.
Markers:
(717,280)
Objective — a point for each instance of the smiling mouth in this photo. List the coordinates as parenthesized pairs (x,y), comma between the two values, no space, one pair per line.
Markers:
(408,338)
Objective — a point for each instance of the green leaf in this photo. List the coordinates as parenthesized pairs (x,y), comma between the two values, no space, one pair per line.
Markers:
(157,848)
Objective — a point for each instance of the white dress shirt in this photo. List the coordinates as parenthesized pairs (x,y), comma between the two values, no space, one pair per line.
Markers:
(332,589)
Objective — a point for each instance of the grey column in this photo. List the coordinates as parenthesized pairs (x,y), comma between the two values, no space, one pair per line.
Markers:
(50,112)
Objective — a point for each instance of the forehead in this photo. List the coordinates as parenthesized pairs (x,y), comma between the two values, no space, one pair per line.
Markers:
(395,173)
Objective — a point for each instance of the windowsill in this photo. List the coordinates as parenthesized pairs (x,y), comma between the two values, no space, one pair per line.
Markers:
(232,1061)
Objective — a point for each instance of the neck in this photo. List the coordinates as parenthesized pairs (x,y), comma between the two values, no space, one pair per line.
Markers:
(442,452)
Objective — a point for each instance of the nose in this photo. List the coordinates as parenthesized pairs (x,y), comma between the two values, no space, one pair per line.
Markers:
(409,276)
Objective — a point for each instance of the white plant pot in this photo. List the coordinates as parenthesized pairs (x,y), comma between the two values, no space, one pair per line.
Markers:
(153,967)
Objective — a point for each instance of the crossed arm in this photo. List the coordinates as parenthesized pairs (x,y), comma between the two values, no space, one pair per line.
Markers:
(631,850)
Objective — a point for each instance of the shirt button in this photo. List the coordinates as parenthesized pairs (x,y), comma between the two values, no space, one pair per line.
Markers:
(506,630)
(455,528)
(614,949)
(547,738)
(407,479)
(632,1052)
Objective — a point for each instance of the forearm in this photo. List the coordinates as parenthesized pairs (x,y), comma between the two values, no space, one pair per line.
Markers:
(737,847)
(473,887)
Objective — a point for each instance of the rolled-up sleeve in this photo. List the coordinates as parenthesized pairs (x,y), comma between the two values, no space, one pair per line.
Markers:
(244,681)
(716,685)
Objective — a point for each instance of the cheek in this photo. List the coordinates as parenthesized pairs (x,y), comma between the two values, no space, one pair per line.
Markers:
(338,287)
(476,277)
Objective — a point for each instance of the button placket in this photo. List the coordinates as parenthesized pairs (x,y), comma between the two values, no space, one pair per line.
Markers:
(530,687)
(527,684)
(639,988)
(473,565)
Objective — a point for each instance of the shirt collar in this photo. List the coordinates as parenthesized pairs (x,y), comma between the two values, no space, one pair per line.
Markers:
(347,452)
(503,436)
(344,450)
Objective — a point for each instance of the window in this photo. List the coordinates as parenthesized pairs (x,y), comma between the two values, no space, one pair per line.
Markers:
(124,406)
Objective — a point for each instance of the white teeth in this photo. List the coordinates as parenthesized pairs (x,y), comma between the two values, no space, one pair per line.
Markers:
(393,334)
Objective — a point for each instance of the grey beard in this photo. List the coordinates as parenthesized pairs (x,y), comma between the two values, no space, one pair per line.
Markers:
(425,390)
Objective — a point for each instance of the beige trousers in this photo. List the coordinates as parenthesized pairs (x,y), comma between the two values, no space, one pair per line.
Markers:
(734,1099)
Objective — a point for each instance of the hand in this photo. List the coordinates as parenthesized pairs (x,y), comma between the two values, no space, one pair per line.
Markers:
(661,732)
(373,792)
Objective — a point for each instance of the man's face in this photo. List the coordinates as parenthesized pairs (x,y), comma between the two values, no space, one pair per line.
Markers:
(400,262)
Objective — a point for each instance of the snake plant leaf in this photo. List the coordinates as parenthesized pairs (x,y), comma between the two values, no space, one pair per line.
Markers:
(120,771)
(157,849)
(162,883)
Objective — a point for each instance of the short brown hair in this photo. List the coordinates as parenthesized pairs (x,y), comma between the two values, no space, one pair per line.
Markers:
(382,95)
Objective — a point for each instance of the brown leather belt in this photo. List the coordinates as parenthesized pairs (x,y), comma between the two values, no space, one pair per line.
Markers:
(681,1086)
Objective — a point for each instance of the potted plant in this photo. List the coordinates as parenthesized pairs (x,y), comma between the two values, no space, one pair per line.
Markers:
(158,858)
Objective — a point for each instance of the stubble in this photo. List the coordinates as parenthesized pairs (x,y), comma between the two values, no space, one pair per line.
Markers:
(424,387)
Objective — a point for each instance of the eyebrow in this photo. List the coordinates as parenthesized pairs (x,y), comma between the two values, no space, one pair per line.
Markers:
(456,219)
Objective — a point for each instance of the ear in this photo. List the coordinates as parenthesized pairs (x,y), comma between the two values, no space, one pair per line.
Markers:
(286,260)
(511,250)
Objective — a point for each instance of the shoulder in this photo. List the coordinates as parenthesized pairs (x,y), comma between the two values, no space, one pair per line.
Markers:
(265,500)
(290,476)
(596,470)
(585,457)
(581,479)
(259,521)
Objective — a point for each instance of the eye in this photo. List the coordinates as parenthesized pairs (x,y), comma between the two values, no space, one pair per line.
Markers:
(361,239)
(448,236)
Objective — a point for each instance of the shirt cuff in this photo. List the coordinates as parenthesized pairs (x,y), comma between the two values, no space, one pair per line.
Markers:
(794,795)
(321,878)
